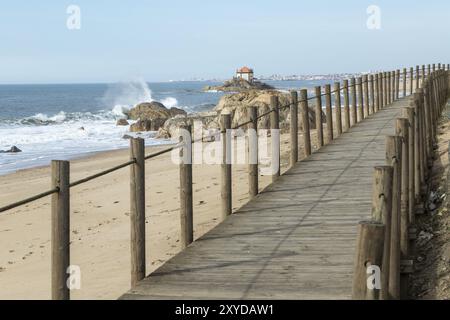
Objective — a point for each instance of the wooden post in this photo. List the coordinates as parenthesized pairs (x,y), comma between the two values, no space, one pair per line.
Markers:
(366,95)
(417,165)
(434,67)
(393,157)
(409,114)
(372,93)
(337,99)
(360,99)
(354,107)
(381,212)
(428,126)
(411,85)
(294,127)
(369,252)
(389,89)
(319,120)
(275,136)
(402,130)
(419,99)
(432,111)
(417,77)
(393,81)
(377,88)
(137,210)
(253,171)
(429,69)
(423,75)
(226,188)
(380,79)
(397,85)
(391,86)
(404,82)
(305,121)
(329,114)
(385,89)
(346,106)
(424,135)
(60,241)
(186,198)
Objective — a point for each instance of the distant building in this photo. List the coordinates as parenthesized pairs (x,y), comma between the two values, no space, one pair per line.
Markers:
(245,73)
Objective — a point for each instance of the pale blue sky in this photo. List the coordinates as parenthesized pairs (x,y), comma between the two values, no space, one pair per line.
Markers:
(177,39)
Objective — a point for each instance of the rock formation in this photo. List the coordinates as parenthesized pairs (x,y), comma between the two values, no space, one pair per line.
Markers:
(13,149)
(151,116)
(238,85)
(122,122)
(201,123)
(237,105)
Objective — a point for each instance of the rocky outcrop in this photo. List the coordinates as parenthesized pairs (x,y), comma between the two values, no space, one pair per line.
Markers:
(238,85)
(201,123)
(146,125)
(122,122)
(237,105)
(152,115)
(13,149)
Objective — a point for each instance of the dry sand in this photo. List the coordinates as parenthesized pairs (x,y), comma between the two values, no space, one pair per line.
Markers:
(100,227)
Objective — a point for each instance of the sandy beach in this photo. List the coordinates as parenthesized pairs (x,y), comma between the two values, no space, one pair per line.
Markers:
(100,226)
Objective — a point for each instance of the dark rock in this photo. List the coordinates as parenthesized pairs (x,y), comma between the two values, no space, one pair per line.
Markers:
(13,149)
(141,125)
(122,122)
(154,112)
(177,111)
(238,85)
(199,122)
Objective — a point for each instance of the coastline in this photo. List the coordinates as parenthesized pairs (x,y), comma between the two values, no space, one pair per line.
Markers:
(86,156)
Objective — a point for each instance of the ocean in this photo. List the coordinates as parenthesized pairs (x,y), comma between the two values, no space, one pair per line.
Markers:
(72,120)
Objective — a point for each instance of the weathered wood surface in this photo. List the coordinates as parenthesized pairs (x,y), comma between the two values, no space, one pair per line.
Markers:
(295,240)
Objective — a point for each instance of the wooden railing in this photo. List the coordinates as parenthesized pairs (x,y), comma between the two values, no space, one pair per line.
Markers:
(363,97)
(399,191)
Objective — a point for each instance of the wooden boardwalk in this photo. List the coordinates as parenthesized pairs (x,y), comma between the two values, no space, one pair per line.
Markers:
(296,240)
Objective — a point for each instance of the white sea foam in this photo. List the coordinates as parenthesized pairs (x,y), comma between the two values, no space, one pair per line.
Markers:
(128,93)
(170,102)
(64,135)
